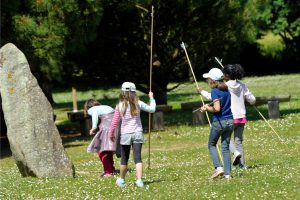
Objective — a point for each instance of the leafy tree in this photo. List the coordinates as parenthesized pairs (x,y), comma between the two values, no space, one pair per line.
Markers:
(124,37)
(282,18)
(109,42)
(51,31)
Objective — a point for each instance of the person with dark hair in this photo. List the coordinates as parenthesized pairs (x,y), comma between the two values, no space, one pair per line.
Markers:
(222,124)
(240,93)
(233,72)
(101,143)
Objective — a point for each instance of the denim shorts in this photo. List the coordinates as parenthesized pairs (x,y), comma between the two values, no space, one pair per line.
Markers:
(129,138)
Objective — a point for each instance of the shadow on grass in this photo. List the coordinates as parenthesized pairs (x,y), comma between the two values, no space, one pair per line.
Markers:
(68,105)
(179,117)
(73,145)
(70,131)
(113,101)
(253,115)
(174,117)
(67,142)
(254,166)
(153,181)
(67,138)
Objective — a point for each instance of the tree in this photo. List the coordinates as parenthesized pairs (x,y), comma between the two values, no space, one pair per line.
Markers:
(124,37)
(109,42)
(281,17)
(52,33)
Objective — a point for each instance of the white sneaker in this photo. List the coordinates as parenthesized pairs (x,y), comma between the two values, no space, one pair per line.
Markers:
(218,172)
(120,182)
(227,177)
(236,158)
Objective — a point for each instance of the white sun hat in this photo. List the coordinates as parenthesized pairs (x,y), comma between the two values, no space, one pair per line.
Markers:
(128,86)
(215,74)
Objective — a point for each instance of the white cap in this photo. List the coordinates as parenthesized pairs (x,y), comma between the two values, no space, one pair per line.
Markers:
(128,86)
(215,74)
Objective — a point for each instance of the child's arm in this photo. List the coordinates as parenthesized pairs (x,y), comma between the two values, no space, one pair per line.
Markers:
(147,108)
(114,123)
(216,104)
(215,108)
(205,94)
(95,117)
(249,96)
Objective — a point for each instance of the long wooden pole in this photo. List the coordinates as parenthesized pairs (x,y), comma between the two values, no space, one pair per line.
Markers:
(262,116)
(150,86)
(268,123)
(188,59)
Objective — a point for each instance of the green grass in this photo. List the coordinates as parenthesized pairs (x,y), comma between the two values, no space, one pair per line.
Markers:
(180,162)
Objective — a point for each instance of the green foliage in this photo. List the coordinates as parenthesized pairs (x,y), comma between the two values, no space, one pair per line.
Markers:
(271,46)
(108,42)
(217,28)
(180,162)
(123,41)
(53,29)
(281,17)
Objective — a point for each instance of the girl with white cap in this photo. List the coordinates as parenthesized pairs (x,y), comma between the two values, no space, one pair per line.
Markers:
(222,124)
(240,93)
(128,110)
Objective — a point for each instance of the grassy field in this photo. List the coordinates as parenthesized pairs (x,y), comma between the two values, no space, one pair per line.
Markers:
(180,162)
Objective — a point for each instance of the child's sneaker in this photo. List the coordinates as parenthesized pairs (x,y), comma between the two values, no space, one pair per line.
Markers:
(139,183)
(227,177)
(218,172)
(120,182)
(243,167)
(106,174)
(236,158)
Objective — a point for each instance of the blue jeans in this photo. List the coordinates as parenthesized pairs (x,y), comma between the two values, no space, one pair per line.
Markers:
(223,129)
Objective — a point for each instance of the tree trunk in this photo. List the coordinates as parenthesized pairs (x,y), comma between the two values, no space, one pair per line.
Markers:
(160,97)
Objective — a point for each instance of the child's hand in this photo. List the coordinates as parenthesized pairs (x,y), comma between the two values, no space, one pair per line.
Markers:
(199,90)
(112,137)
(93,131)
(204,108)
(150,95)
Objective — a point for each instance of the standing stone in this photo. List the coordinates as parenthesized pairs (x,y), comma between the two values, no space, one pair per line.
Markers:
(34,139)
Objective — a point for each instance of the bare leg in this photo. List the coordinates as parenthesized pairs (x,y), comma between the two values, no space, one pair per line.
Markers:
(139,170)
(123,170)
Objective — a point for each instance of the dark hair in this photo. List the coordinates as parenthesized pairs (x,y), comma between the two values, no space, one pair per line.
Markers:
(234,71)
(90,103)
